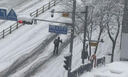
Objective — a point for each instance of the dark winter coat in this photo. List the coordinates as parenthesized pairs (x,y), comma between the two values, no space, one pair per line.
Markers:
(57,41)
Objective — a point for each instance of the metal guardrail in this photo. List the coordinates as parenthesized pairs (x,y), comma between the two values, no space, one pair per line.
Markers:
(36,13)
(9,30)
(87,67)
(81,70)
(44,8)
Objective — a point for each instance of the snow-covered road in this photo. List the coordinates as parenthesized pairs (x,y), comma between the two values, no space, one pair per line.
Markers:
(24,39)
(12,4)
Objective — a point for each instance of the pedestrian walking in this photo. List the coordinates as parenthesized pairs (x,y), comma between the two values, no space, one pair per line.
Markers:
(56,45)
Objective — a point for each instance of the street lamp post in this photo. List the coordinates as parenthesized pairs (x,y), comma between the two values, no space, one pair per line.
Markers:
(72,33)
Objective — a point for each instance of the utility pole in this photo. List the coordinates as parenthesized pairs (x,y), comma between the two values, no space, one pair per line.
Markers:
(72,34)
(85,30)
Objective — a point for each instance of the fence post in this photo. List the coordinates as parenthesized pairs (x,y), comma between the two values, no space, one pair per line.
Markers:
(35,21)
(43,9)
(17,25)
(37,13)
(10,29)
(31,14)
(77,74)
(54,3)
(3,33)
(49,5)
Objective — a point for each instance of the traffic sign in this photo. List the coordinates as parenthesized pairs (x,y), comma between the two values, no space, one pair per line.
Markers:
(65,14)
(93,43)
(58,29)
(3,13)
(10,16)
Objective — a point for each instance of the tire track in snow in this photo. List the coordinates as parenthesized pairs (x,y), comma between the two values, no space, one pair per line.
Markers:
(36,66)
(27,58)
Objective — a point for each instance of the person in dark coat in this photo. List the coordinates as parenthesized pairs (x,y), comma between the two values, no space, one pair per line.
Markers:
(56,45)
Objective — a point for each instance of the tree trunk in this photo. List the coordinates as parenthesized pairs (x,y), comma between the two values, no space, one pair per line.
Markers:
(89,42)
(113,48)
(98,42)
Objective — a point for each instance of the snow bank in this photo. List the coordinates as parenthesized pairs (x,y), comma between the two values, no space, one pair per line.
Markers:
(24,17)
(118,67)
(115,69)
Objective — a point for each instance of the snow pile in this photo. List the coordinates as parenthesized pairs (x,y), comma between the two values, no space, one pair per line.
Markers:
(24,17)
(118,67)
(115,69)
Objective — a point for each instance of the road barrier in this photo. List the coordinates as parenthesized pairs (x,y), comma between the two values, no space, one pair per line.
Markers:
(9,30)
(87,67)
(81,69)
(101,61)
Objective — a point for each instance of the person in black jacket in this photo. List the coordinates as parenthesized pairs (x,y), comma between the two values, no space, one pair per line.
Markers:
(56,45)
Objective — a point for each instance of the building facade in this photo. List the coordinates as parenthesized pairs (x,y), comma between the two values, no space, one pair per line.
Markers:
(124,34)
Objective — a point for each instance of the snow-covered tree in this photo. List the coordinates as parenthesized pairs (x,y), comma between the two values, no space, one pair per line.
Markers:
(104,16)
